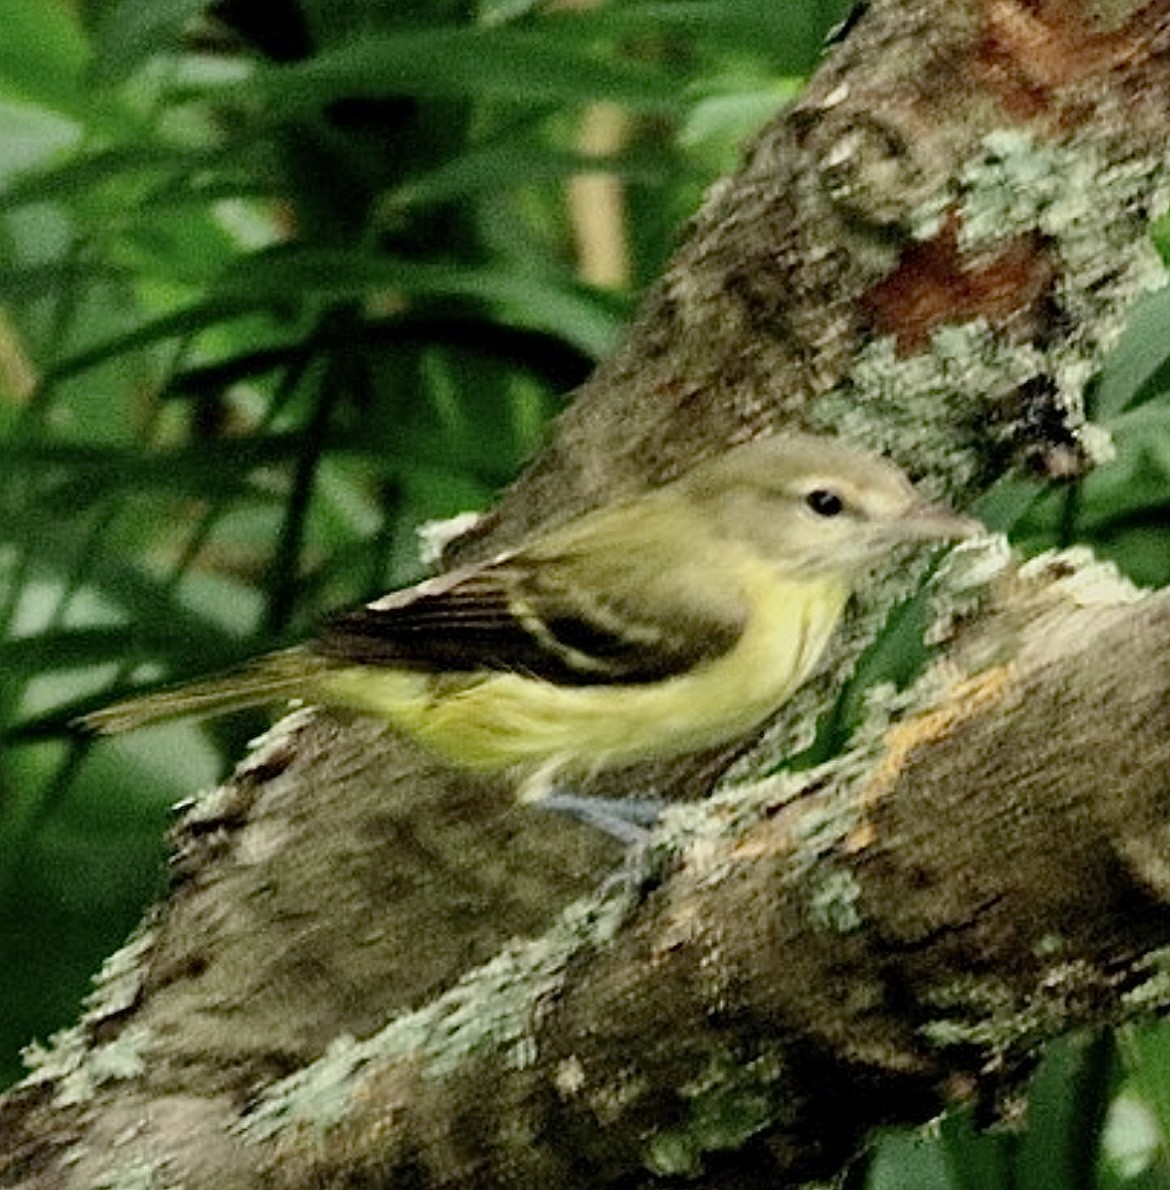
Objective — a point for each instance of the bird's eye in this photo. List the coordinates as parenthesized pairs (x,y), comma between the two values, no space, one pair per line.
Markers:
(824,503)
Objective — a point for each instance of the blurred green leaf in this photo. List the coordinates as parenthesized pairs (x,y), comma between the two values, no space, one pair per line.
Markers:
(498,166)
(793,33)
(1145,1050)
(65,179)
(30,136)
(79,881)
(1132,1157)
(68,648)
(580,318)
(43,54)
(81,473)
(457,61)
(977,1160)
(131,31)
(727,119)
(910,1161)
(31,283)
(1137,479)
(1137,365)
(1122,507)
(179,325)
(1068,1100)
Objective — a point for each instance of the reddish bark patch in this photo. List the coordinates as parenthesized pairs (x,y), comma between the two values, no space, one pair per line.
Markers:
(934,285)
(1029,50)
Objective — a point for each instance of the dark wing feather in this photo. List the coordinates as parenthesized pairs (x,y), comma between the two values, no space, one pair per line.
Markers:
(511,615)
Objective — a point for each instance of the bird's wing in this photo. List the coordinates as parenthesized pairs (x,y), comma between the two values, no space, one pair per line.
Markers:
(518,613)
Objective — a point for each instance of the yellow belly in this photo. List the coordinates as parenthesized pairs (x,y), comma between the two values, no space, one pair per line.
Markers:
(505,720)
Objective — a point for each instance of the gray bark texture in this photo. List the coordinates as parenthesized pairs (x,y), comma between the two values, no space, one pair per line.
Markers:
(368,972)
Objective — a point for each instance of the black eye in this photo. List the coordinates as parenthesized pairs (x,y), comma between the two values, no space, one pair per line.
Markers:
(824,503)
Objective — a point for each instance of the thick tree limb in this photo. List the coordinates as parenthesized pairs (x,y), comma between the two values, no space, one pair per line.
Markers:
(929,254)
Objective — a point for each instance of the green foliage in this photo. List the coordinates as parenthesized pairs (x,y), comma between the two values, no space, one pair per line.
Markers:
(1121,509)
(279,284)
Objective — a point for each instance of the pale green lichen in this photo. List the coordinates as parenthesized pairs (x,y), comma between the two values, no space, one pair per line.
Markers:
(963,582)
(71,1061)
(834,893)
(1078,575)
(909,407)
(490,1011)
(1018,183)
(608,1099)
(1152,994)
(77,1069)
(319,1094)
(726,813)
(729,1102)
(1048,946)
(57,1061)
(139,1175)
(118,985)
(1015,185)
(987,1014)
(435,537)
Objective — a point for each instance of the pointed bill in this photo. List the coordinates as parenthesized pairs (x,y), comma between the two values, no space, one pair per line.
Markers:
(937,522)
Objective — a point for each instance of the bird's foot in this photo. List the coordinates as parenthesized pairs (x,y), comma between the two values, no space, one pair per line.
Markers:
(629,820)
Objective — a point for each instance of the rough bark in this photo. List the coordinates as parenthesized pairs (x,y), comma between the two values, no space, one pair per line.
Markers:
(928,254)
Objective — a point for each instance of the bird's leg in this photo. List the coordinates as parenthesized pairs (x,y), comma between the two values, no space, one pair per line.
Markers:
(629,820)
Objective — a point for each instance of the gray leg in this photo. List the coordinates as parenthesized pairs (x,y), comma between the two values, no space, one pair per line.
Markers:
(629,820)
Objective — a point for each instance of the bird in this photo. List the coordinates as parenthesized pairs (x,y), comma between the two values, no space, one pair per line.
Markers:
(672,621)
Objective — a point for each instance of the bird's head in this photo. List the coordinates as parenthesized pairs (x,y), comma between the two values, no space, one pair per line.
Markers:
(816,505)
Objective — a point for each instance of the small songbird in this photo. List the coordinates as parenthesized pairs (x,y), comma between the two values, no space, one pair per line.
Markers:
(673,621)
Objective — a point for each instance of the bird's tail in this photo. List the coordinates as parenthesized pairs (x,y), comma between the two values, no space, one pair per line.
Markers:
(269,679)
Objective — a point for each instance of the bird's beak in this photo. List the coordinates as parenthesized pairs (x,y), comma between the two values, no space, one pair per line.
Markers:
(935,521)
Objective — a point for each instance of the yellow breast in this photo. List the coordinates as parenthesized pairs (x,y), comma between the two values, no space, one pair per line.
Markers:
(499,721)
